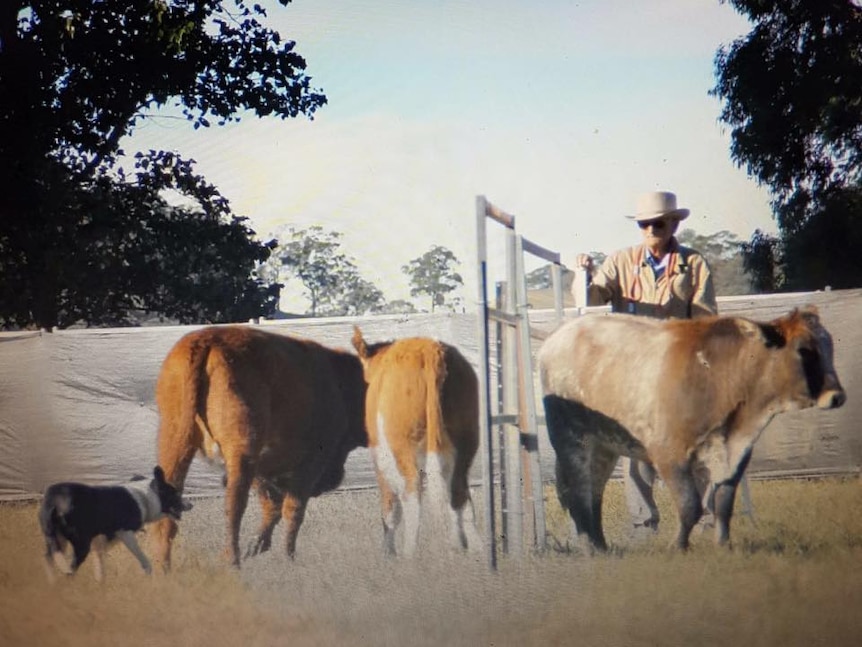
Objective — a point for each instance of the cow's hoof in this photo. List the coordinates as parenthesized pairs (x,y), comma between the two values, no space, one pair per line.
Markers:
(256,548)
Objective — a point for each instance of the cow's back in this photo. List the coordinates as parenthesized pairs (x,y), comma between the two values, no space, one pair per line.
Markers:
(399,377)
(295,403)
(605,362)
(409,375)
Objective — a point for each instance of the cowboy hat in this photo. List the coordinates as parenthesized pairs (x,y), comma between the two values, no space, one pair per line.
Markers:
(658,204)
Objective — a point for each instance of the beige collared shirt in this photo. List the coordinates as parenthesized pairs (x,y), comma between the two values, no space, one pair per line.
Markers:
(684,290)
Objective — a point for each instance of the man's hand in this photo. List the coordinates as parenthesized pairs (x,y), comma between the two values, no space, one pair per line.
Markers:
(584,261)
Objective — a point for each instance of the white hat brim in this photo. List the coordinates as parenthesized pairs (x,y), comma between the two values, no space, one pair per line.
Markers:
(678,214)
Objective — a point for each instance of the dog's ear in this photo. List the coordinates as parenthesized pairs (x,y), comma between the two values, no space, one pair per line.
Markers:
(159,474)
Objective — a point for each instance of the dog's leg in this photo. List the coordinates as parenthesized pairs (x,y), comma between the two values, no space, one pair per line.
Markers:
(80,551)
(99,546)
(128,538)
(62,563)
(49,567)
(55,557)
(50,559)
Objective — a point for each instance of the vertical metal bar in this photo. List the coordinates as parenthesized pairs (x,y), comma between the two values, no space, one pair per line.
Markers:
(484,426)
(527,408)
(579,289)
(514,477)
(557,285)
(500,303)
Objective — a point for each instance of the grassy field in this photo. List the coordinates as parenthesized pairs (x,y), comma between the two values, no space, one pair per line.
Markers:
(794,577)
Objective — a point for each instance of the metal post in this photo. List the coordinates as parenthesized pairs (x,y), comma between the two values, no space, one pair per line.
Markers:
(500,304)
(514,476)
(484,426)
(557,284)
(527,408)
(579,289)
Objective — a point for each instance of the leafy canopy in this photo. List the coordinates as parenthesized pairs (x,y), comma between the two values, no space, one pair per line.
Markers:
(82,241)
(792,96)
(433,275)
(332,283)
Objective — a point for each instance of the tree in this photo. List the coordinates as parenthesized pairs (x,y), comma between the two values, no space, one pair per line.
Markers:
(82,241)
(432,274)
(761,257)
(398,307)
(792,95)
(331,279)
(809,258)
(360,297)
(723,253)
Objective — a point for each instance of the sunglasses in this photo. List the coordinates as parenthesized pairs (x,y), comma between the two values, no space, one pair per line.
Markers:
(655,224)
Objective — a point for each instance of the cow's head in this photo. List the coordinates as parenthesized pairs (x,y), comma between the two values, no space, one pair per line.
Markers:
(808,354)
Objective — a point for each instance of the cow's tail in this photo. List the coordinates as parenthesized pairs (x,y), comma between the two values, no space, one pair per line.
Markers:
(437,441)
(178,440)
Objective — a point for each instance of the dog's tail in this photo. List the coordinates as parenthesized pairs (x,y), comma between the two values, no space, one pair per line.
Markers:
(54,506)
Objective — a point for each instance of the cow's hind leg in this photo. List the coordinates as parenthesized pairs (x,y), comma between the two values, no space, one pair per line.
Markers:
(602,463)
(240,473)
(576,483)
(464,531)
(580,500)
(390,509)
(411,502)
(439,470)
(175,457)
(293,511)
(724,497)
(271,499)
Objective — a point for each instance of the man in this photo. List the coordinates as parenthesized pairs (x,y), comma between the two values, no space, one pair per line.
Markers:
(658,278)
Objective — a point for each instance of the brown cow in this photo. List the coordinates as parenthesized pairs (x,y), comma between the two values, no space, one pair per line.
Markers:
(686,396)
(280,412)
(422,409)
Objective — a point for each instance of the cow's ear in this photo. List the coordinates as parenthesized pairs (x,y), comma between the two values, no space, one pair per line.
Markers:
(773,336)
(359,342)
(769,334)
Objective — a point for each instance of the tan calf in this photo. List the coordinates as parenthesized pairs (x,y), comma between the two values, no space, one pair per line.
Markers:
(686,395)
(422,416)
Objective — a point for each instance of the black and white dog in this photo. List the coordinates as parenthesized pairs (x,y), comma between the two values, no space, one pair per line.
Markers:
(93,516)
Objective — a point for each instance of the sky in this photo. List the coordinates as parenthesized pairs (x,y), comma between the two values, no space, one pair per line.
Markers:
(558,112)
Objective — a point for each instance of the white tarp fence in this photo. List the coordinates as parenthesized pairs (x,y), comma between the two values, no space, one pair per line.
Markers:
(79,404)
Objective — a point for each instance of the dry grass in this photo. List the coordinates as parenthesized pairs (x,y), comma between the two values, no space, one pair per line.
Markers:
(794,578)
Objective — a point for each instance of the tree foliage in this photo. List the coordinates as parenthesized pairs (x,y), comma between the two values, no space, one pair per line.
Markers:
(331,281)
(433,275)
(809,258)
(760,258)
(723,253)
(792,96)
(80,239)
